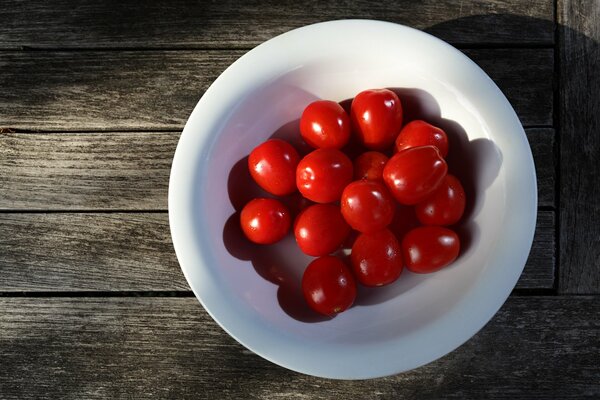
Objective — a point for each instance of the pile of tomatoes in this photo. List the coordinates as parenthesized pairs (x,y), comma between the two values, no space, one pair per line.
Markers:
(399,166)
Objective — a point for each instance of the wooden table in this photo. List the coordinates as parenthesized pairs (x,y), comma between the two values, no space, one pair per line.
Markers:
(93,97)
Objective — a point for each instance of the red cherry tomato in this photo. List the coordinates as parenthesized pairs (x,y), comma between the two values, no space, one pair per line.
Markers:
(328,286)
(369,165)
(415,173)
(320,229)
(376,258)
(429,248)
(265,221)
(273,166)
(376,117)
(420,133)
(445,206)
(367,206)
(325,125)
(323,174)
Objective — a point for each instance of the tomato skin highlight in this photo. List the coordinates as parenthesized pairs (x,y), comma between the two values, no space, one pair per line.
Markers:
(325,125)
(272,165)
(420,133)
(265,221)
(328,286)
(320,229)
(429,248)
(322,175)
(369,165)
(376,258)
(445,206)
(376,117)
(415,173)
(367,206)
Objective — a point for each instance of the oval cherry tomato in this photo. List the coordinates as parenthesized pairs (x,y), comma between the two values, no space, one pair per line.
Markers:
(376,117)
(367,206)
(325,125)
(265,221)
(376,258)
(415,173)
(445,206)
(328,286)
(420,133)
(429,248)
(369,165)
(323,174)
(320,229)
(273,166)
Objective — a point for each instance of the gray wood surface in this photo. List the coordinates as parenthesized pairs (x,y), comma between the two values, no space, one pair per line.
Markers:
(539,270)
(579,49)
(130,170)
(93,303)
(82,252)
(157,90)
(218,24)
(105,90)
(83,171)
(133,252)
(543,148)
(76,348)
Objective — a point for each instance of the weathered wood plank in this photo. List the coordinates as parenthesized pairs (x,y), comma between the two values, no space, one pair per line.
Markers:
(542,143)
(527,83)
(182,23)
(104,90)
(99,90)
(579,48)
(133,252)
(534,348)
(100,252)
(112,170)
(130,171)
(539,270)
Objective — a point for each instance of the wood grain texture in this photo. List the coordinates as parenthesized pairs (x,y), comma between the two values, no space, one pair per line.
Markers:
(210,24)
(133,252)
(112,170)
(74,348)
(130,171)
(539,270)
(527,83)
(100,90)
(105,90)
(579,49)
(99,252)
(543,148)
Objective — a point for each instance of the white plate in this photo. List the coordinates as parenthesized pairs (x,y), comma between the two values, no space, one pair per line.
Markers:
(253,294)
